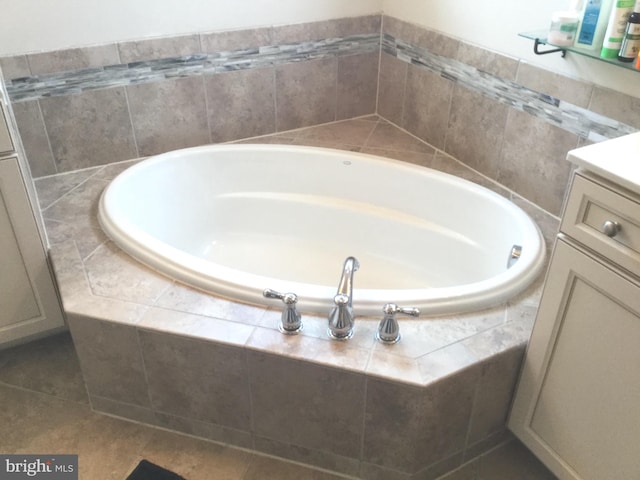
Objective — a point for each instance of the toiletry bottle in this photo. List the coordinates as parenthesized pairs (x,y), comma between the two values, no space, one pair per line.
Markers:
(564,26)
(593,24)
(631,41)
(620,11)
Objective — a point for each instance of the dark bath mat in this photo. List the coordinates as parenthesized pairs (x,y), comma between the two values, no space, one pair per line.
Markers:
(150,471)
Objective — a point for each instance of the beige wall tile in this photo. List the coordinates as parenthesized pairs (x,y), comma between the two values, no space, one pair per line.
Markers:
(198,380)
(306,93)
(475,134)
(34,138)
(357,88)
(241,104)
(427,106)
(89,129)
(168,115)
(73,59)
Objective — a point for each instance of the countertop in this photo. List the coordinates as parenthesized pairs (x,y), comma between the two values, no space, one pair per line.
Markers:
(616,160)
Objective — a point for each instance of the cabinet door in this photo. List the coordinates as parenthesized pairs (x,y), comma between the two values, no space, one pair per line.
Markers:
(577,406)
(5,138)
(28,300)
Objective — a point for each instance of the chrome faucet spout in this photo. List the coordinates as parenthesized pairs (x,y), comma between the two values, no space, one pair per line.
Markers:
(345,287)
(341,318)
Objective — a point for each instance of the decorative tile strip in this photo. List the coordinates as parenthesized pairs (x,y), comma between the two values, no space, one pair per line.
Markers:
(564,115)
(78,81)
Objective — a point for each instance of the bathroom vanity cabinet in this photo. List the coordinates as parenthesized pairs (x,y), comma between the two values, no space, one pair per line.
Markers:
(29,303)
(577,406)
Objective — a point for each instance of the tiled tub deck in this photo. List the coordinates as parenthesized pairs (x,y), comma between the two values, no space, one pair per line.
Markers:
(158,352)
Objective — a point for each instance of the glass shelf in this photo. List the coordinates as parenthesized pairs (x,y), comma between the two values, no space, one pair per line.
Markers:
(540,38)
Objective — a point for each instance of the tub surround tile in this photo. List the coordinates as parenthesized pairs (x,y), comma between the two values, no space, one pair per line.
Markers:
(115,74)
(176,106)
(577,120)
(342,27)
(384,363)
(356,94)
(150,49)
(208,431)
(205,381)
(418,70)
(111,359)
(241,104)
(349,132)
(52,188)
(78,206)
(487,61)
(101,132)
(427,103)
(320,350)
(445,361)
(420,37)
(307,419)
(73,59)
(236,40)
(124,410)
(87,238)
(389,137)
(543,177)
(317,458)
(306,93)
(555,85)
(436,420)
(69,270)
(447,164)
(475,134)
(391,88)
(619,106)
(182,298)
(112,273)
(35,140)
(264,371)
(493,395)
(196,326)
(16,66)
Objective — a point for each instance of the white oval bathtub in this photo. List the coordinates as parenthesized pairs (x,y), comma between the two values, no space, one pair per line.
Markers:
(236,219)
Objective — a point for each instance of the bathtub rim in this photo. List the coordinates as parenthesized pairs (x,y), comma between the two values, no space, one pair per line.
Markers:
(232,284)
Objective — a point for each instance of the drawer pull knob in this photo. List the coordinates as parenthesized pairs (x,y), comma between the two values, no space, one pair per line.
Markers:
(611,229)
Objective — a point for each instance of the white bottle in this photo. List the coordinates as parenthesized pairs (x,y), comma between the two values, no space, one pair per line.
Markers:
(564,26)
(620,11)
(593,24)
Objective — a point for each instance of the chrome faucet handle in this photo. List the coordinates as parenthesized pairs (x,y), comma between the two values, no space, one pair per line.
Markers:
(388,329)
(290,320)
(341,318)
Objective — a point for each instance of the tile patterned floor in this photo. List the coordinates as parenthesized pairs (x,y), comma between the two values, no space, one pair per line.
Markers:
(44,409)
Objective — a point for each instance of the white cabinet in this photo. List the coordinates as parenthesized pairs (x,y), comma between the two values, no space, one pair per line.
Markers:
(29,303)
(577,406)
(6,145)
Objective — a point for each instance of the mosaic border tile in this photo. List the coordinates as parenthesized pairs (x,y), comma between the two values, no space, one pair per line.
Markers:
(569,117)
(74,82)
(554,111)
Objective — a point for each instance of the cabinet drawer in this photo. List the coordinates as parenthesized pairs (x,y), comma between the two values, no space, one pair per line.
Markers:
(5,138)
(590,207)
